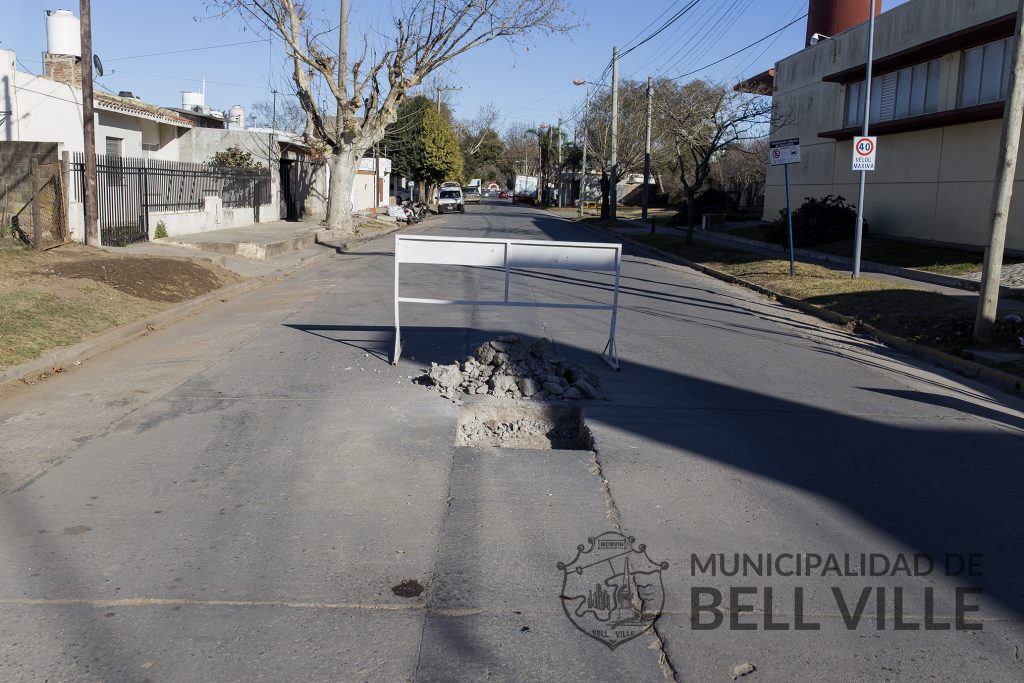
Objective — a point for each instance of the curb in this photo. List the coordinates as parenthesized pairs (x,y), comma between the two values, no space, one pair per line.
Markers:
(966,368)
(89,348)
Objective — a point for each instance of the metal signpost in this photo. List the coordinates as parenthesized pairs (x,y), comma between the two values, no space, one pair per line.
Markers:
(783,153)
(864,144)
(508,254)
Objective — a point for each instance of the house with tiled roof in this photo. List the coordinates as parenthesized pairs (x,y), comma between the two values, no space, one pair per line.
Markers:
(48,108)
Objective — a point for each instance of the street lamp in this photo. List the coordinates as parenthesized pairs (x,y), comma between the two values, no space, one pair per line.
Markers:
(613,199)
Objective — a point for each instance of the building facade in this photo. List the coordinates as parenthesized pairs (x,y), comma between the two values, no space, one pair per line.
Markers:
(940,74)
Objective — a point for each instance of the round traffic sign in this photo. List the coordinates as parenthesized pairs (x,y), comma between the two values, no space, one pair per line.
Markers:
(865,147)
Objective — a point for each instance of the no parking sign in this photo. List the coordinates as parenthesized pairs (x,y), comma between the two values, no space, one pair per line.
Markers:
(865,148)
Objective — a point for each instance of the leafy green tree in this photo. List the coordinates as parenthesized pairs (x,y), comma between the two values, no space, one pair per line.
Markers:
(442,156)
(234,157)
(403,140)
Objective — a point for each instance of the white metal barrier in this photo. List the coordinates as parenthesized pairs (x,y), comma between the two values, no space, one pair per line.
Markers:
(509,254)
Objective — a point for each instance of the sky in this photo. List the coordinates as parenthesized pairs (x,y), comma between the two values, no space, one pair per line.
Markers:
(529,82)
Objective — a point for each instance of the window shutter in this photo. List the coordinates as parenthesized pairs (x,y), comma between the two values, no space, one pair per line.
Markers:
(888,109)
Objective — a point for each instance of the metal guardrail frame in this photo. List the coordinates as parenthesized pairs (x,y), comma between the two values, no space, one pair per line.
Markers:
(480,252)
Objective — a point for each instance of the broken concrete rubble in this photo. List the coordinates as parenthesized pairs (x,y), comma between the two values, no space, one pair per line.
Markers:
(511,367)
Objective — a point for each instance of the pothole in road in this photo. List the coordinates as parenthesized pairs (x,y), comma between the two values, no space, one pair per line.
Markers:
(535,426)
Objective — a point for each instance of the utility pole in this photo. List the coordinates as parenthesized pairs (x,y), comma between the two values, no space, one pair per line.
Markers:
(612,190)
(441,90)
(583,164)
(1009,141)
(561,180)
(342,64)
(859,234)
(92,227)
(647,149)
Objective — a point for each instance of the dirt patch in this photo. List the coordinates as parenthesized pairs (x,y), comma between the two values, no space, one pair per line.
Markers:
(57,297)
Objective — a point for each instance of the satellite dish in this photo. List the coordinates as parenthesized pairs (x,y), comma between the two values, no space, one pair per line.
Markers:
(98,64)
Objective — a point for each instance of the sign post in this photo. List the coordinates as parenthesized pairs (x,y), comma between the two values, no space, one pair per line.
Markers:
(783,153)
(864,146)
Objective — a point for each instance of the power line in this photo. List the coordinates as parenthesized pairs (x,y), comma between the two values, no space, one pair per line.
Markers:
(743,49)
(189,49)
(671,20)
(653,21)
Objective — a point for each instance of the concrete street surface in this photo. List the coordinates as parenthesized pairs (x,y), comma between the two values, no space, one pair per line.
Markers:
(255,494)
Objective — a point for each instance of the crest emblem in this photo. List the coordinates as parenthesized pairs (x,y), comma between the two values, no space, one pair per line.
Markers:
(611,590)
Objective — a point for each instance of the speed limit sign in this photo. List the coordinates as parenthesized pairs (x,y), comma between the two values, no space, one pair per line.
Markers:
(864,150)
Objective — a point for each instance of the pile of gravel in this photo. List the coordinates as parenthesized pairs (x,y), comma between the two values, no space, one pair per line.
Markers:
(510,367)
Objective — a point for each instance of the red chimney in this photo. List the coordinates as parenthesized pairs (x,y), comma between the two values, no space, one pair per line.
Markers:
(830,17)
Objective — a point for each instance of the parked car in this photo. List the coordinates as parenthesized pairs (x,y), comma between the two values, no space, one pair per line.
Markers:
(451,199)
(503,194)
(471,194)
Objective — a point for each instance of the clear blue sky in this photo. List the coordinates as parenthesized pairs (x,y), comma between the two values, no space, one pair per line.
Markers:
(528,82)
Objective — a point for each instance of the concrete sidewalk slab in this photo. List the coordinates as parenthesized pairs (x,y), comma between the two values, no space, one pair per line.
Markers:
(261,241)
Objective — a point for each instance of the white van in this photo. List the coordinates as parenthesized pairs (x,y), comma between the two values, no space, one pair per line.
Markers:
(451,199)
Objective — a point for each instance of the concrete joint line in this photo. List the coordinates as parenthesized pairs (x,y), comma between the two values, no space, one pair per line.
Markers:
(657,640)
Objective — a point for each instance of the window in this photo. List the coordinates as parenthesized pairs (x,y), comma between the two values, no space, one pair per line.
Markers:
(114,147)
(150,146)
(985,73)
(912,91)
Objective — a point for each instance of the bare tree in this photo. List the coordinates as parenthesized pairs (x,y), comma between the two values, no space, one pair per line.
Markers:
(285,114)
(360,99)
(697,122)
(740,170)
(521,154)
(632,128)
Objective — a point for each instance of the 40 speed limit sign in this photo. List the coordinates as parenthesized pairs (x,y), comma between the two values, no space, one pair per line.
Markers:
(865,148)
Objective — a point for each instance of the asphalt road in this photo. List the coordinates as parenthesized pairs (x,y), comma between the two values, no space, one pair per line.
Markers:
(235,497)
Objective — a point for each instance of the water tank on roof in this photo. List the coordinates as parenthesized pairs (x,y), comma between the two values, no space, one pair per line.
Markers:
(236,117)
(63,33)
(191,100)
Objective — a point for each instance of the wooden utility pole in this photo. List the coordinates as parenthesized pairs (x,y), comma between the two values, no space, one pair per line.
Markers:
(342,68)
(988,299)
(647,150)
(613,188)
(92,228)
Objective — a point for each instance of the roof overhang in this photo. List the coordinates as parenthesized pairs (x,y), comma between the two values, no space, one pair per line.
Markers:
(986,32)
(761,84)
(140,110)
(952,117)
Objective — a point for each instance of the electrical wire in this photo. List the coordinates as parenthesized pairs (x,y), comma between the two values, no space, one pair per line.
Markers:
(742,49)
(188,49)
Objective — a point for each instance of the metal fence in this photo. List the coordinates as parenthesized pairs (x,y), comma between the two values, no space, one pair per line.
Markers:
(128,188)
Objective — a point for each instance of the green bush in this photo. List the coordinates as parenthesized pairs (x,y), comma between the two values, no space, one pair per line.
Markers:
(161,230)
(817,221)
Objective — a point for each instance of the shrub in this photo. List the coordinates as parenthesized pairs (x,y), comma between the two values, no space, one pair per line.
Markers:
(817,221)
(161,230)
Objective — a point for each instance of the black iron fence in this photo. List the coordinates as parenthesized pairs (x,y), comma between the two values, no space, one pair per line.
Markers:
(129,188)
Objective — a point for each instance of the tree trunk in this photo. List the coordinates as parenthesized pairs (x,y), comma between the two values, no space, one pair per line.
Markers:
(691,214)
(343,164)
